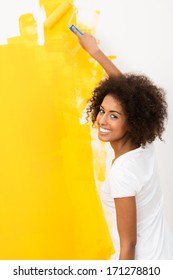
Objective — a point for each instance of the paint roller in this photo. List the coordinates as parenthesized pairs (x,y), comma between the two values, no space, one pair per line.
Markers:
(58,13)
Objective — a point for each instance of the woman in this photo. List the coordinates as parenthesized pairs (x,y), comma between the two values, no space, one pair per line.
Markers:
(130,112)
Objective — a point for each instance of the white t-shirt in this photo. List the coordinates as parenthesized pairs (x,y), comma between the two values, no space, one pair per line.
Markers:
(135,174)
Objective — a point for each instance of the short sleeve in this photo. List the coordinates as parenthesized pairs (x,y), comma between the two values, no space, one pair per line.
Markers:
(122,183)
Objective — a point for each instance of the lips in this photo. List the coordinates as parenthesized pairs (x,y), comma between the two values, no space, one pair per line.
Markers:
(104,130)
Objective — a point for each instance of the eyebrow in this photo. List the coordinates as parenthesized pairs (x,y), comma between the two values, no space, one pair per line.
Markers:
(111,111)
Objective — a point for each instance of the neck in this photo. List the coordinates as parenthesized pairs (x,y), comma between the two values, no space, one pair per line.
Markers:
(121,148)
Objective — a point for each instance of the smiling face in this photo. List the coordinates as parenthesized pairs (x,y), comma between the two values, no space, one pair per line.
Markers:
(111,121)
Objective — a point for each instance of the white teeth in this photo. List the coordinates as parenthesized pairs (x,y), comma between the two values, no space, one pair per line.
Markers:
(104,130)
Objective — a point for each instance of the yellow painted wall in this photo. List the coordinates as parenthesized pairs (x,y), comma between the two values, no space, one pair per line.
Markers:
(49,206)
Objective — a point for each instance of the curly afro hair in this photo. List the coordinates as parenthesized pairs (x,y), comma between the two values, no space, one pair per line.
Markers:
(143,103)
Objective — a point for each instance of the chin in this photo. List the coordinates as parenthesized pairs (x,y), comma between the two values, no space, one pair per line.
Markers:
(103,139)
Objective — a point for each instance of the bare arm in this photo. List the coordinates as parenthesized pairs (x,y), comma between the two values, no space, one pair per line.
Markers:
(89,44)
(126,223)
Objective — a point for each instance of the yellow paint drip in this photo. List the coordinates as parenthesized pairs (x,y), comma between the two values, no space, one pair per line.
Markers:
(112,57)
(49,206)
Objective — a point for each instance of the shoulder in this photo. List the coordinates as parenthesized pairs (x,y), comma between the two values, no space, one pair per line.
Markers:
(134,160)
(128,173)
(123,182)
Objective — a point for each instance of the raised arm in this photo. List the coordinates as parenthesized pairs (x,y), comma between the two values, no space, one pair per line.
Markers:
(89,44)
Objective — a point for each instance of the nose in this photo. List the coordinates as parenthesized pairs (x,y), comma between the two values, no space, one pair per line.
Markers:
(102,120)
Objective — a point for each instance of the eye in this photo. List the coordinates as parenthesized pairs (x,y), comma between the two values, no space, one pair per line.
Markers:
(101,111)
(112,116)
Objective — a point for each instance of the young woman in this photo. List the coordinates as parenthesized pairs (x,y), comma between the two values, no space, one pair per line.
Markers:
(130,111)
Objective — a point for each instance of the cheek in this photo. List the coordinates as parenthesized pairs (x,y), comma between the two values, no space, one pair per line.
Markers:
(124,128)
(120,127)
(123,125)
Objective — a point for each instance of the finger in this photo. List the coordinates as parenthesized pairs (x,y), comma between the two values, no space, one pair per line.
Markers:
(76,31)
